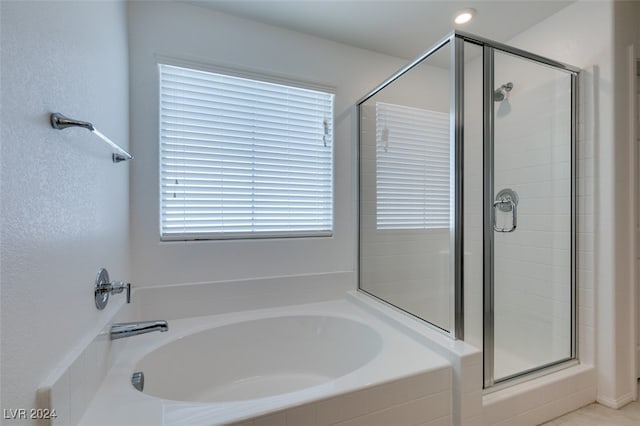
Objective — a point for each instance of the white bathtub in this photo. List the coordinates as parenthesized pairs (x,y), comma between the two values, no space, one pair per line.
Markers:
(322,363)
(259,358)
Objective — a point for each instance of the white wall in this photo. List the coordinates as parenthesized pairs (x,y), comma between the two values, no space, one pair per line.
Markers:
(64,203)
(625,184)
(197,34)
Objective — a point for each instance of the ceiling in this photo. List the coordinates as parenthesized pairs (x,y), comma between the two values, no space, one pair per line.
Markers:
(399,28)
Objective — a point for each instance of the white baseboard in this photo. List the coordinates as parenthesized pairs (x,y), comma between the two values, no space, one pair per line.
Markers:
(617,402)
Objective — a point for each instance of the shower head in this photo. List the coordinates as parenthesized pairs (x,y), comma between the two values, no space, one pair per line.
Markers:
(502,92)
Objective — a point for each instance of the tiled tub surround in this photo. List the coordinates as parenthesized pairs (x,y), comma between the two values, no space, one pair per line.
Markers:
(417,390)
(70,387)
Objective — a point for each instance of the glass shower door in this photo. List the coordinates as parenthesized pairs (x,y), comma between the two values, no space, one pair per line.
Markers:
(530,210)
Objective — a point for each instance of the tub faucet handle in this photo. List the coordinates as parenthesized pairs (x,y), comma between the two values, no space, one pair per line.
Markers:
(118,287)
(103,288)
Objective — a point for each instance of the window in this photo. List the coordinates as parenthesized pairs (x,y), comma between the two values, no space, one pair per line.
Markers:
(412,168)
(243,158)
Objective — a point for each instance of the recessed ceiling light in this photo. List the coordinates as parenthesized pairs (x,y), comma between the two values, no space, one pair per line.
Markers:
(464,16)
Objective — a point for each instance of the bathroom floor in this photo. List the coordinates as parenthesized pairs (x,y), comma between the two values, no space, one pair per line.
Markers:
(599,415)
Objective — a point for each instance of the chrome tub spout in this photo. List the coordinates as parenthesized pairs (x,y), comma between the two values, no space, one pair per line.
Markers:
(126,329)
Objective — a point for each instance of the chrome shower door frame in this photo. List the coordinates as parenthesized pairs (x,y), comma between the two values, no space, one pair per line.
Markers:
(489,48)
(457,40)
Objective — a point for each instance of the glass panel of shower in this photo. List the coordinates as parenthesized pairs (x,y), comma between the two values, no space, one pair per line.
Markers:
(467,200)
(405,191)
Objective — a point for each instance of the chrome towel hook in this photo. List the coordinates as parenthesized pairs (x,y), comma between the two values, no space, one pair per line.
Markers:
(59,121)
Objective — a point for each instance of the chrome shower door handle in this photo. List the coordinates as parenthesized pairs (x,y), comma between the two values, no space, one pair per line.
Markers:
(512,206)
(506,201)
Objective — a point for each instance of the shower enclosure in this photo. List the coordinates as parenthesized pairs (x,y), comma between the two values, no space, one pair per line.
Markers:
(467,212)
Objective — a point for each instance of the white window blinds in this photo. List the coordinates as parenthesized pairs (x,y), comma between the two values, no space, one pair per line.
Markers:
(243,158)
(412,168)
